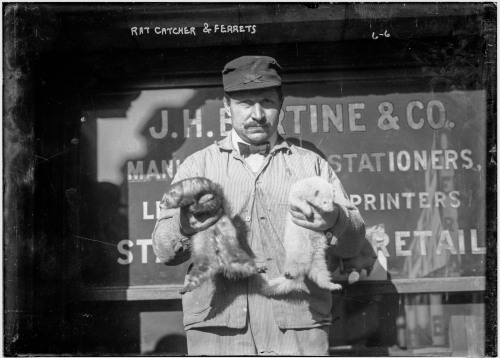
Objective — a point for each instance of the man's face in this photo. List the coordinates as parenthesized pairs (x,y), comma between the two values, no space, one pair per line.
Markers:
(254,114)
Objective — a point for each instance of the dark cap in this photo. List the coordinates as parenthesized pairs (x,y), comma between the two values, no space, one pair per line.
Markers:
(251,72)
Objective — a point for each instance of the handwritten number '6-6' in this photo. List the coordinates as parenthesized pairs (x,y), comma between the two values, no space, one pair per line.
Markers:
(374,36)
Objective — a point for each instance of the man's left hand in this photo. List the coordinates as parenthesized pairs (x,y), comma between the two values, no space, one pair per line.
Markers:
(315,219)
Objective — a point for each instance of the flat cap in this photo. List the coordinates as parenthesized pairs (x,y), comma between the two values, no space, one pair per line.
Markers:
(251,72)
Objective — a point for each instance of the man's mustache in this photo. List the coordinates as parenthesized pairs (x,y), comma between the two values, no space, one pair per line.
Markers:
(256,125)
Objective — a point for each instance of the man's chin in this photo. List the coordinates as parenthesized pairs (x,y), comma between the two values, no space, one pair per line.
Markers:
(257,138)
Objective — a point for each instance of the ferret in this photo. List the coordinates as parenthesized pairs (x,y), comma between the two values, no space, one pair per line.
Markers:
(216,249)
(305,248)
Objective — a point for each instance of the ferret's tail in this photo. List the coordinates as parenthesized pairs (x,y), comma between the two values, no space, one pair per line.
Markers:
(282,285)
(240,269)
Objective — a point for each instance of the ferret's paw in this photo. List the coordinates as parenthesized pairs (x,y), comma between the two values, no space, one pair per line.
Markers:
(183,291)
(291,273)
(188,288)
(262,269)
(334,286)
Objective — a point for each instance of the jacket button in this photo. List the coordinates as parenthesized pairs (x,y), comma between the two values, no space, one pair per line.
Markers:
(329,235)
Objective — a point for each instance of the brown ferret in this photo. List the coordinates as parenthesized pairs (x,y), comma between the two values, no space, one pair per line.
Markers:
(216,249)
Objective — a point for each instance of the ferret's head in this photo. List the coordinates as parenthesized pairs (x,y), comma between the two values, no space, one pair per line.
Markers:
(172,198)
(323,199)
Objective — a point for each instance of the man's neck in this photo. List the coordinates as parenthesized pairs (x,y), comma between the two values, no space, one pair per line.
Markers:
(237,139)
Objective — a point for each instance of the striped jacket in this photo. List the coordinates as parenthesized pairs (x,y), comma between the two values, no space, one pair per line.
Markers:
(259,203)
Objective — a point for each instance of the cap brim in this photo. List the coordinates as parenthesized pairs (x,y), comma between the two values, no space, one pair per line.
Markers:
(252,86)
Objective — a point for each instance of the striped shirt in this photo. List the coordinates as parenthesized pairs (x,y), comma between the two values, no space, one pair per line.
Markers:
(258,205)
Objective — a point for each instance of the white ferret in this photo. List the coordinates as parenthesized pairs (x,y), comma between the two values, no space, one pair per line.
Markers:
(305,248)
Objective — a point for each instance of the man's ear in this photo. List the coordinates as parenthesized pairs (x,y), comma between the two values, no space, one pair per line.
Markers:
(226,107)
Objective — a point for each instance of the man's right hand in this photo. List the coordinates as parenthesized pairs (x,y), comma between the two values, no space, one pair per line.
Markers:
(191,224)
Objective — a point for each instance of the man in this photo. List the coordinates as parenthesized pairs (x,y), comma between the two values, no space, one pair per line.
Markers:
(256,168)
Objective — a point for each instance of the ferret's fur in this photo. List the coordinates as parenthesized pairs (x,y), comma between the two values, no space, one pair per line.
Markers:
(216,249)
(305,248)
